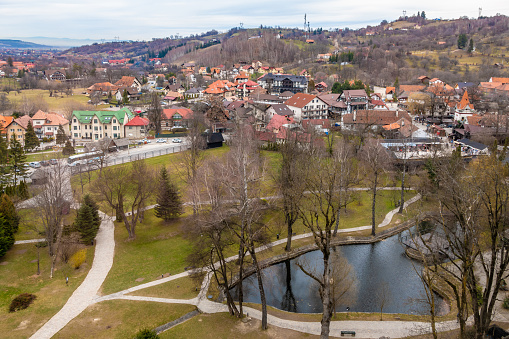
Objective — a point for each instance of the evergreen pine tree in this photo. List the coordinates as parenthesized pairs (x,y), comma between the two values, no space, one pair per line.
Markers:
(471,46)
(8,211)
(68,149)
(4,167)
(168,200)
(31,140)
(61,137)
(87,200)
(125,97)
(6,236)
(84,224)
(17,159)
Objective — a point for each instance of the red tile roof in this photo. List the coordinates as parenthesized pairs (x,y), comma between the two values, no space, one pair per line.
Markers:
(300,100)
(138,121)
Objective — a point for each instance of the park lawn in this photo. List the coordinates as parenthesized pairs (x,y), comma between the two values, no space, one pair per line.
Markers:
(182,288)
(55,103)
(159,248)
(358,213)
(29,226)
(121,319)
(222,325)
(18,276)
(39,156)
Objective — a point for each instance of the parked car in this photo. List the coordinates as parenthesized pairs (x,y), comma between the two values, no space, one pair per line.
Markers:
(45,163)
(146,141)
(35,164)
(161,140)
(53,161)
(177,140)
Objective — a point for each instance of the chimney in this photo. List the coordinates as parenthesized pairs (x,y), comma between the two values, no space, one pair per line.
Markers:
(354,115)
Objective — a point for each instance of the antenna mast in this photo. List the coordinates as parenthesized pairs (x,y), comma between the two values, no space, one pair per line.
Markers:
(480,10)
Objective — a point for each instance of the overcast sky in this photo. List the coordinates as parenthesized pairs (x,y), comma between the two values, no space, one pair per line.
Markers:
(144,20)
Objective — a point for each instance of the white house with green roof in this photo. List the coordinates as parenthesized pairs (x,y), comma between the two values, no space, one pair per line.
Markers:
(95,125)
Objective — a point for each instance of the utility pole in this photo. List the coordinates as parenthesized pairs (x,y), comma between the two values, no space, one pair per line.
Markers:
(480,10)
(404,14)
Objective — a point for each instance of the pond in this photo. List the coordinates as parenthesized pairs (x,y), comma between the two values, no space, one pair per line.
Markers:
(379,271)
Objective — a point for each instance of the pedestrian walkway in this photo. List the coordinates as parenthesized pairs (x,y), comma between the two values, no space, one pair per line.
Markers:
(86,292)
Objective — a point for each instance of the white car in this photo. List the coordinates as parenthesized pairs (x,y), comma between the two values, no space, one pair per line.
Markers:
(177,140)
(161,140)
(35,164)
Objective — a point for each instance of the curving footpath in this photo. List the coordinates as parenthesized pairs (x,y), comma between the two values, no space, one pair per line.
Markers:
(87,291)
(86,294)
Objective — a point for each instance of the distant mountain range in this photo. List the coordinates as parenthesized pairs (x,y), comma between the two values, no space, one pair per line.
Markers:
(41,42)
(8,43)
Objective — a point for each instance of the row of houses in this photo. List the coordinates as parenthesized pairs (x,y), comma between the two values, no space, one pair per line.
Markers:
(45,125)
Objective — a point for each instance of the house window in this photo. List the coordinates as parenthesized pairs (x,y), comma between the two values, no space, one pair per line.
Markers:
(74,120)
(114,128)
(130,127)
(114,121)
(75,128)
(95,121)
(114,135)
(75,135)
(95,128)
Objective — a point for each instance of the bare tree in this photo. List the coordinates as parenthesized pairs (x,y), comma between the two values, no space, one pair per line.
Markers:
(377,160)
(319,216)
(343,155)
(155,112)
(242,174)
(193,157)
(290,183)
(210,234)
(126,187)
(51,204)
(383,295)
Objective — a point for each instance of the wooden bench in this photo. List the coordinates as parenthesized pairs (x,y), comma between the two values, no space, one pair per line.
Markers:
(352,333)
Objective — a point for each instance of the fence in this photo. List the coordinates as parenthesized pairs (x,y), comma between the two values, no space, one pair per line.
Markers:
(145,155)
(117,160)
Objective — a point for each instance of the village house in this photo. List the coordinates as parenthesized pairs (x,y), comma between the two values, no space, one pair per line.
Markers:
(17,127)
(55,74)
(127,81)
(175,118)
(355,99)
(307,106)
(95,125)
(136,128)
(279,83)
(132,94)
(47,124)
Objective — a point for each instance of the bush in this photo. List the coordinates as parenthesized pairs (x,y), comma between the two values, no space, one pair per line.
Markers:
(21,302)
(506,303)
(78,258)
(146,334)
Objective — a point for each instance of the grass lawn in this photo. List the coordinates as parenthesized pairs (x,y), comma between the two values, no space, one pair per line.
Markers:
(121,319)
(182,288)
(29,223)
(222,325)
(358,213)
(55,103)
(39,156)
(18,270)
(159,248)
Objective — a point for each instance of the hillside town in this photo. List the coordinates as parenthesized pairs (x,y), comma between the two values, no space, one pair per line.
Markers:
(261,182)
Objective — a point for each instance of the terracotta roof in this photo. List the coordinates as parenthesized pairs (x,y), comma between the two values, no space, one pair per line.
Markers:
(464,103)
(138,121)
(502,80)
(23,121)
(411,88)
(4,122)
(388,90)
(278,121)
(300,100)
(282,109)
(186,113)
